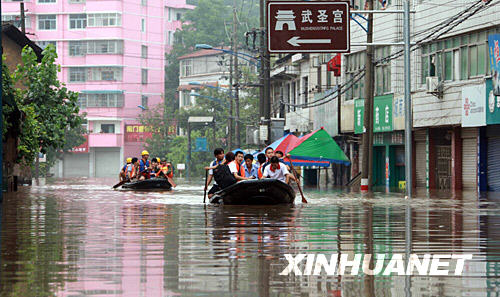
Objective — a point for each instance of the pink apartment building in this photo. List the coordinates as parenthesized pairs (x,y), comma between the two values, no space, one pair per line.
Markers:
(113,53)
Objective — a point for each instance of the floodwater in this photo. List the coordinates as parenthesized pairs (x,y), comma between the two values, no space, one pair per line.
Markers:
(80,238)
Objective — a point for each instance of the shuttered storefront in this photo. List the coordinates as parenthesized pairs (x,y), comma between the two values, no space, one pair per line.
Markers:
(494,164)
(469,158)
(76,165)
(107,162)
(421,158)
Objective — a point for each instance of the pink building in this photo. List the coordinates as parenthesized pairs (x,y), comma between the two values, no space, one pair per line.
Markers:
(113,53)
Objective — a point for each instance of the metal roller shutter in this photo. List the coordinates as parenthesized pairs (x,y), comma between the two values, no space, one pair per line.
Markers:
(421,158)
(494,164)
(107,162)
(469,162)
(76,165)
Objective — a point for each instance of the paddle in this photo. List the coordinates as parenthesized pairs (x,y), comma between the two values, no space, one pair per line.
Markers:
(296,179)
(206,186)
(121,183)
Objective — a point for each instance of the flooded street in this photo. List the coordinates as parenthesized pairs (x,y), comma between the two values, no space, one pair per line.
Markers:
(81,238)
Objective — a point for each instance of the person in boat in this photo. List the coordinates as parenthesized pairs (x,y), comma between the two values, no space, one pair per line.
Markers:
(165,170)
(261,158)
(269,154)
(219,159)
(144,166)
(251,170)
(236,167)
(277,170)
(135,163)
(280,155)
(126,170)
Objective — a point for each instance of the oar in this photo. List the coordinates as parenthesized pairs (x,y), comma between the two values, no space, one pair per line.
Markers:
(120,183)
(296,179)
(206,186)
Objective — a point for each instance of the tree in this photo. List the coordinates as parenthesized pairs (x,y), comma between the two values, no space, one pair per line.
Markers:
(51,120)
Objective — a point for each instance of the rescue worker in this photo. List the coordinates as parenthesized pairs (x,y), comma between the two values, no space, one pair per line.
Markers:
(236,168)
(144,166)
(261,158)
(277,170)
(126,170)
(219,158)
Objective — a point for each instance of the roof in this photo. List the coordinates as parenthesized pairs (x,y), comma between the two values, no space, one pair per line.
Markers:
(20,38)
(201,53)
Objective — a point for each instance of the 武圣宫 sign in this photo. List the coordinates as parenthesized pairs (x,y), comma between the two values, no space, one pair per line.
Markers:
(299,27)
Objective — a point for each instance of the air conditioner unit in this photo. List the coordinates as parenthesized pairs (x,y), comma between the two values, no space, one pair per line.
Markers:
(432,83)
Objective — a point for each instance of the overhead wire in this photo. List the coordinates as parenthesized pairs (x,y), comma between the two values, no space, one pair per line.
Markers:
(450,23)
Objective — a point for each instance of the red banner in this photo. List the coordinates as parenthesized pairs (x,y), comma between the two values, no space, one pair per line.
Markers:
(83,148)
(137,133)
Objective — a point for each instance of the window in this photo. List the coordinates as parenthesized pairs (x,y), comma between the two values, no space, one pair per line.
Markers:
(107,128)
(144,52)
(144,76)
(144,2)
(105,47)
(77,21)
(46,1)
(456,58)
(382,72)
(178,16)
(77,48)
(77,74)
(143,25)
(186,98)
(105,73)
(100,100)
(44,44)
(187,67)
(354,63)
(16,20)
(47,22)
(104,20)
(144,101)
(76,1)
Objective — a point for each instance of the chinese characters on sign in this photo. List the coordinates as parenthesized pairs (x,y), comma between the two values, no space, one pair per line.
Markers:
(83,148)
(318,26)
(139,133)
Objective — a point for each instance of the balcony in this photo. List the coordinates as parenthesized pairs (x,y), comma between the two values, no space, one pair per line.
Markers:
(105,140)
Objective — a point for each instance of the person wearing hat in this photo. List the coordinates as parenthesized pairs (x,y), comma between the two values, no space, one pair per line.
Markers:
(144,166)
(128,170)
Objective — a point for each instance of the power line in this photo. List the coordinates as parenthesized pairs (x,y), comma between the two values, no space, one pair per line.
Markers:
(449,24)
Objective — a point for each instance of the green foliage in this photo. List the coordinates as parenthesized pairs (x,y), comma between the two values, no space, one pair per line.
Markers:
(50,113)
(8,94)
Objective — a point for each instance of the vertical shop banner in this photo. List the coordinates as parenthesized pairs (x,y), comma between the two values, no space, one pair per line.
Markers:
(398,111)
(382,113)
(473,106)
(494,49)
(492,105)
(359,111)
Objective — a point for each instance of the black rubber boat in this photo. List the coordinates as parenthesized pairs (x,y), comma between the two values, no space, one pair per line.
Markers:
(148,184)
(255,192)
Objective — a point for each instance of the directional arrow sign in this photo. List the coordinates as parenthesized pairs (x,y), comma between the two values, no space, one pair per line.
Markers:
(300,27)
(296,41)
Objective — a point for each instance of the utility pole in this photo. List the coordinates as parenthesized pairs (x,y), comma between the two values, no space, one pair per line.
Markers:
(265,78)
(408,105)
(367,158)
(23,19)
(230,120)
(236,78)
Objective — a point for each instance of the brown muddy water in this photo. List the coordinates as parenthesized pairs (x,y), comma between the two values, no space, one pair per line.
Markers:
(81,238)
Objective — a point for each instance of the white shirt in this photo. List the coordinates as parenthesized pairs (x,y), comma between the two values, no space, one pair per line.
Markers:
(232,167)
(278,174)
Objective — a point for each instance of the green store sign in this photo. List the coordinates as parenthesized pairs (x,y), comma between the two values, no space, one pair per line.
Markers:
(492,105)
(382,114)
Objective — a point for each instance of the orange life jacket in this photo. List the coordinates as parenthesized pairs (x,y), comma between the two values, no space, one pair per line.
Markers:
(165,169)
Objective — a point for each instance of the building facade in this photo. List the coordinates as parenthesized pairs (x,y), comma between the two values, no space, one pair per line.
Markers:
(112,53)
(454,108)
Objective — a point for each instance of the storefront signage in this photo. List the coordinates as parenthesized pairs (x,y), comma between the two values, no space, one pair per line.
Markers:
(137,133)
(473,106)
(398,111)
(83,148)
(492,105)
(382,114)
(494,49)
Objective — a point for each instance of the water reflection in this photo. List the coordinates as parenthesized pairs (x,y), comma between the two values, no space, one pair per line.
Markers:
(79,238)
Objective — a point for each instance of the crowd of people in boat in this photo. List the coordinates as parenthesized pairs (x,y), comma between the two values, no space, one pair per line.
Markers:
(230,168)
(141,169)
